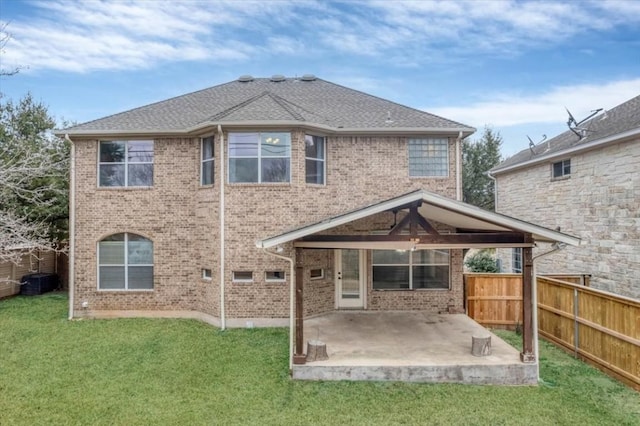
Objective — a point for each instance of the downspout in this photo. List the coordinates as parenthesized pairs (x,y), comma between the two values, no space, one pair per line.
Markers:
(534,301)
(223,320)
(72,225)
(292,295)
(495,191)
(458,168)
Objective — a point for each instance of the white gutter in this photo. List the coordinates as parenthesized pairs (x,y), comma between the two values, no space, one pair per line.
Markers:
(458,169)
(72,225)
(223,320)
(272,124)
(495,190)
(620,137)
(534,302)
(292,303)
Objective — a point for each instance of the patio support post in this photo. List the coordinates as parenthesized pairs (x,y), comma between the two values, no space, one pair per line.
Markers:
(298,356)
(528,354)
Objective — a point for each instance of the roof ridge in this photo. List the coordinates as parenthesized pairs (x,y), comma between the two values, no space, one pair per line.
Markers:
(236,107)
(284,104)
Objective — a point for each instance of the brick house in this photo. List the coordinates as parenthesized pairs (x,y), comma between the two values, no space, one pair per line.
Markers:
(587,182)
(262,199)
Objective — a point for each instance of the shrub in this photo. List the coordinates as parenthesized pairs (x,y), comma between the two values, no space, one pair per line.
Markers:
(482,261)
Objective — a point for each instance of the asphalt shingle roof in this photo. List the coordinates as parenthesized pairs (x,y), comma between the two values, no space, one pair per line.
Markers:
(293,99)
(623,118)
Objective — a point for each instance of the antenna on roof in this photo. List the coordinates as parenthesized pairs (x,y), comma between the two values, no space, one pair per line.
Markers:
(581,132)
(533,145)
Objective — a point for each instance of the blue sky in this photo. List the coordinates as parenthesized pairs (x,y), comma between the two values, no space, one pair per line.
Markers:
(513,65)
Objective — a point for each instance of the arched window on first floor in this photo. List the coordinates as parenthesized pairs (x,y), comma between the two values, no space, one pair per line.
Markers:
(125,262)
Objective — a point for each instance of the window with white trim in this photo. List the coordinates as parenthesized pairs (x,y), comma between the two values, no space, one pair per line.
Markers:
(561,169)
(275,276)
(207,160)
(125,163)
(317,273)
(410,270)
(242,276)
(125,262)
(259,157)
(428,157)
(314,159)
(206,274)
(516,260)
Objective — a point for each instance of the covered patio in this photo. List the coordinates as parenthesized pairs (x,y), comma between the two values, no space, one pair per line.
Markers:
(376,343)
(410,346)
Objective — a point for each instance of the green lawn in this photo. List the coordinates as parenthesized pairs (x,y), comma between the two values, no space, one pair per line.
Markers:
(142,371)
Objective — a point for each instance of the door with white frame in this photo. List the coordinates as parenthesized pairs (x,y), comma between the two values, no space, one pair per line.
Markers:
(350,279)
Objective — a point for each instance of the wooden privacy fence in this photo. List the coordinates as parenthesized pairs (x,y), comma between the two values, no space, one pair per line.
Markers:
(598,327)
(45,262)
(494,300)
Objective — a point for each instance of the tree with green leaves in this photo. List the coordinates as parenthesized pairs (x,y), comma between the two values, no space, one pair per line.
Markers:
(478,157)
(33,180)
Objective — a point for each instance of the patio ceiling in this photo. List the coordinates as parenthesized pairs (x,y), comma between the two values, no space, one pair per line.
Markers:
(474,227)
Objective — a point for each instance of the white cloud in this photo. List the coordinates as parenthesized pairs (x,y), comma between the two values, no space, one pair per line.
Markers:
(548,107)
(83,36)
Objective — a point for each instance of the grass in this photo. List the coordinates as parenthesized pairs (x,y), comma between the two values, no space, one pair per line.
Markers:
(143,371)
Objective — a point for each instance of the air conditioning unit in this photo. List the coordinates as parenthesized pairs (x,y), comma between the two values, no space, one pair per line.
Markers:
(35,284)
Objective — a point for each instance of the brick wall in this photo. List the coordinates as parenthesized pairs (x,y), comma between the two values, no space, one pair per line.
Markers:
(182,219)
(599,202)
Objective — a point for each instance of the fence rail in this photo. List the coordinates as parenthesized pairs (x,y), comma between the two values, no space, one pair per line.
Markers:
(598,327)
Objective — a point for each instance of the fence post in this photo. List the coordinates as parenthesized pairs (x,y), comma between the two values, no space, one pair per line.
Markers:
(576,336)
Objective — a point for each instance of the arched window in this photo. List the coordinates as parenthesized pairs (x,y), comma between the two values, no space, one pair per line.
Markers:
(125,262)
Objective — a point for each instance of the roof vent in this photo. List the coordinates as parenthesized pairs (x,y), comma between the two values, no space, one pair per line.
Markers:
(277,78)
(245,78)
(308,77)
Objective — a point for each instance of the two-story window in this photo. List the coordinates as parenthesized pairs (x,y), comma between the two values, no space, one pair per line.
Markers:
(314,159)
(429,157)
(207,161)
(260,157)
(125,262)
(125,163)
(408,270)
(561,169)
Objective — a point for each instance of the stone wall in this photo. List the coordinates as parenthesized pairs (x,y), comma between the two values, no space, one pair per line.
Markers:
(599,202)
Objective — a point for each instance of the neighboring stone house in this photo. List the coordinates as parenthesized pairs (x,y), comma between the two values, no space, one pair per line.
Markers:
(220,203)
(586,181)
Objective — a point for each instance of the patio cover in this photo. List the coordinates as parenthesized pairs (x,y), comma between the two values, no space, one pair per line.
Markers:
(474,228)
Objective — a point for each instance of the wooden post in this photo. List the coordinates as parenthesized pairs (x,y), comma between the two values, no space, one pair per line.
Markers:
(298,355)
(527,354)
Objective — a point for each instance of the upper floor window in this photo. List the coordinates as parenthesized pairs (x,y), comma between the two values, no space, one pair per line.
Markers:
(126,163)
(561,168)
(408,270)
(125,262)
(314,153)
(207,160)
(428,157)
(259,157)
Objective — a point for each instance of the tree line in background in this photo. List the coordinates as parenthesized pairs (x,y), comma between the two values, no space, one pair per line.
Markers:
(34,176)
(478,157)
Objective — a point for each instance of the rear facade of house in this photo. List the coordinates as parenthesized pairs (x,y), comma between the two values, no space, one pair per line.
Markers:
(170,199)
(585,181)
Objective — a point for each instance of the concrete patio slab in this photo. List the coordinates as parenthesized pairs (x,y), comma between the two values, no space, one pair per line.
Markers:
(409,346)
